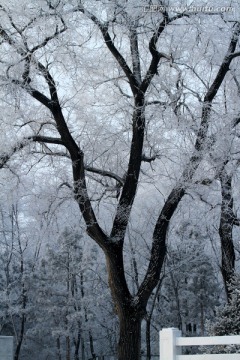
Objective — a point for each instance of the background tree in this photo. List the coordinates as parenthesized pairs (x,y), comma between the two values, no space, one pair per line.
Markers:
(16,278)
(226,321)
(192,283)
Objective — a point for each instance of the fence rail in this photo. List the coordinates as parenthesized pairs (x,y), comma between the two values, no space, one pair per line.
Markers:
(209,357)
(210,340)
(171,342)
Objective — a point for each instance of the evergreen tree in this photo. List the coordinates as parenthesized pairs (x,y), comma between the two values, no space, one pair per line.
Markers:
(227,321)
(190,288)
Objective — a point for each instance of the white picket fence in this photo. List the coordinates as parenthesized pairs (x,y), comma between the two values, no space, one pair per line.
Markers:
(171,342)
(6,348)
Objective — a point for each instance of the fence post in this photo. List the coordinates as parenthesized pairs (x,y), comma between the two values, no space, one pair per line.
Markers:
(6,347)
(168,349)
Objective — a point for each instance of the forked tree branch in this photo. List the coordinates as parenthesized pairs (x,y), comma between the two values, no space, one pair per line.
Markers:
(160,232)
(4,158)
(103,27)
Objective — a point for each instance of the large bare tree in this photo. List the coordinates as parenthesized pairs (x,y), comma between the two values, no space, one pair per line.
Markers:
(138,48)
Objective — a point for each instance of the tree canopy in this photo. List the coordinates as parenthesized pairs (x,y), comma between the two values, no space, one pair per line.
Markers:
(118,118)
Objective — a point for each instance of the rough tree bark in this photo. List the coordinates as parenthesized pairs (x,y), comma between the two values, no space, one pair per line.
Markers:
(227,221)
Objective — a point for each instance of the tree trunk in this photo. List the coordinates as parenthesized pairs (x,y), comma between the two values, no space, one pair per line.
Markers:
(148,337)
(91,345)
(21,336)
(225,231)
(129,346)
(202,320)
(83,348)
(130,309)
(177,298)
(77,342)
(59,349)
(148,319)
(68,348)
